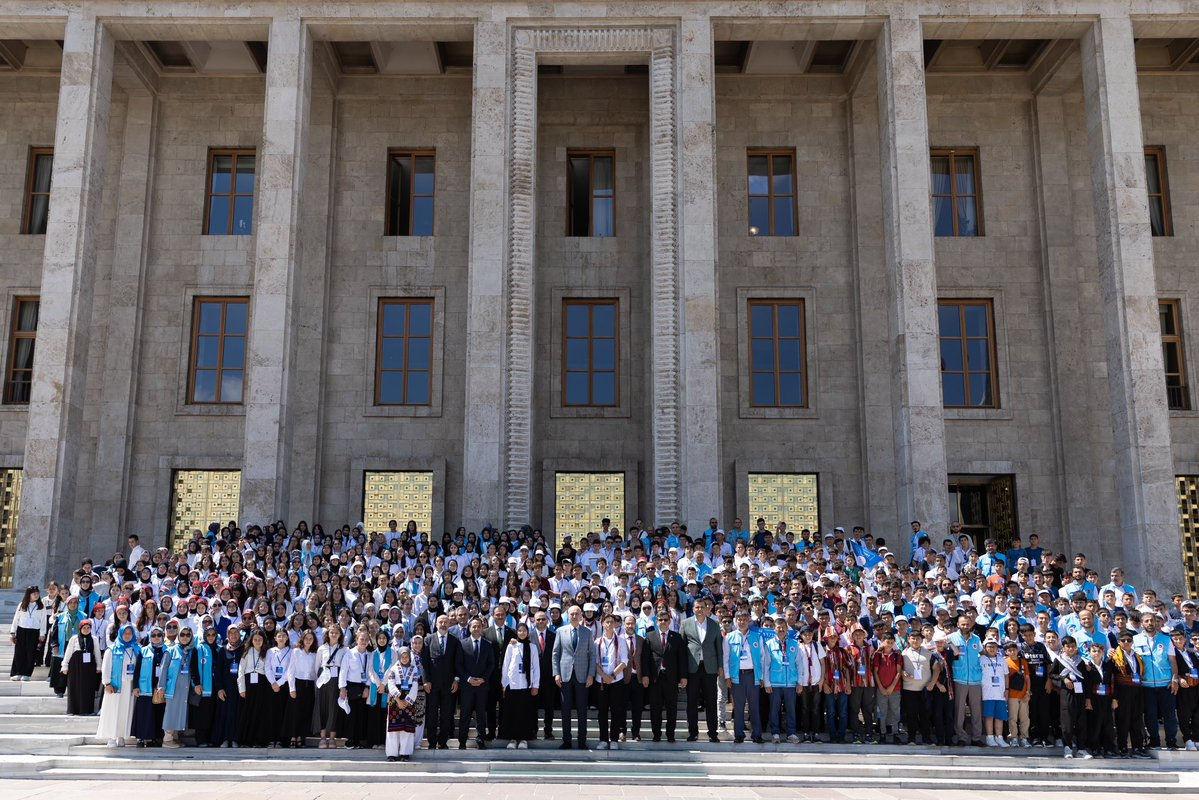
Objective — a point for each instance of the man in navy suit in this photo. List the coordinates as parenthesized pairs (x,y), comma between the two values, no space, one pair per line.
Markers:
(476,660)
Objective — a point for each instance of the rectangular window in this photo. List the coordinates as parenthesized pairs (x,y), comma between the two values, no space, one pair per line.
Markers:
(410,188)
(1174,355)
(790,497)
(229,197)
(778,368)
(200,497)
(956,191)
(1160,221)
(37,190)
(589,352)
(591,193)
(771,187)
(583,500)
(401,496)
(404,352)
(968,372)
(22,334)
(218,352)
(10,513)
(1188,522)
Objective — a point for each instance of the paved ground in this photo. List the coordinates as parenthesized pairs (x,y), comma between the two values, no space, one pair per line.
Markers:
(54,790)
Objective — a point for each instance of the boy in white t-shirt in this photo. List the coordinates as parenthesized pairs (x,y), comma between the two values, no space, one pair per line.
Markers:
(995,712)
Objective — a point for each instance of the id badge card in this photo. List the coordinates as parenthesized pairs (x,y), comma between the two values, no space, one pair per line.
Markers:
(917,674)
(87,658)
(1136,679)
(1194,674)
(129,667)
(1040,672)
(1101,690)
(607,663)
(861,669)
(1078,687)
(996,680)
(253,677)
(233,668)
(278,673)
(836,674)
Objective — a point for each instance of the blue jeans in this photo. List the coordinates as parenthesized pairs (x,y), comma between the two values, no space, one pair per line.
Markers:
(1161,705)
(782,697)
(836,709)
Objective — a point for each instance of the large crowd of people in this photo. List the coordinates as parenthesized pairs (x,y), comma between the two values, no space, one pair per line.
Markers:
(273,636)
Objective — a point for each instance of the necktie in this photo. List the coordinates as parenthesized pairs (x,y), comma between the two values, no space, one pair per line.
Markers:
(541,640)
(574,638)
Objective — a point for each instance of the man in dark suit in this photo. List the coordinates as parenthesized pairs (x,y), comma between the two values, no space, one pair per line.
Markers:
(497,635)
(666,666)
(441,671)
(705,664)
(476,661)
(635,676)
(547,694)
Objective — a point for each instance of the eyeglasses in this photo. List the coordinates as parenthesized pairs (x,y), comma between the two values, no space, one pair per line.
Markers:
(156,636)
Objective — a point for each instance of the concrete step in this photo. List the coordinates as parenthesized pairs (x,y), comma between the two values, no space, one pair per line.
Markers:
(42,744)
(47,723)
(34,688)
(33,705)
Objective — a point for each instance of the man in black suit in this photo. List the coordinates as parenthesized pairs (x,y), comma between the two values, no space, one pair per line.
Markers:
(441,671)
(476,661)
(547,693)
(497,635)
(666,666)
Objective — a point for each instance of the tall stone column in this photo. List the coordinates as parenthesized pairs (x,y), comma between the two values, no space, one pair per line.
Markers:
(55,433)
(484,423)
(280,182)
(919,427)
(1140,420)
(698,476)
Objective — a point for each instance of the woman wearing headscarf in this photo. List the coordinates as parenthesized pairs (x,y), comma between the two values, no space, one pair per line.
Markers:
(381,661)
(255,692)
(301,686)
(151,691)
(65,627)
(228,669)
(202,697)
(81,666)
(405,707)
(179,669)
(118,672)
(520,677)
(28,634)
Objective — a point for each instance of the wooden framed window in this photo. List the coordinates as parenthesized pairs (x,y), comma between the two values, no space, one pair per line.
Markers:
(404,352)
(1178,395)
(229,192)
(969,377)
(778,363)
(218,352)
(410,189)
(591,193)
(956,192)
(771,187)
(22,335)
(1161,222)
(590,348)
(36,210)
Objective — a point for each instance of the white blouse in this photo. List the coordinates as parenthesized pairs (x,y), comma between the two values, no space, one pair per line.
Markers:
(303,666)
(513,674)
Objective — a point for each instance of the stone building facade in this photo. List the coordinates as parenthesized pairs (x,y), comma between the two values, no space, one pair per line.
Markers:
(1034,284)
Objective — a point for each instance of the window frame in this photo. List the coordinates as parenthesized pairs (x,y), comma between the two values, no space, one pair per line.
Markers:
(15,336)
(1158,153)
(591,154)
(1179,340)
(771,153)
(410,153)
(382,303)
(774,303)
(953,153)
(233,194)
(591,303)
(27,200)
(225,301)
(960,303)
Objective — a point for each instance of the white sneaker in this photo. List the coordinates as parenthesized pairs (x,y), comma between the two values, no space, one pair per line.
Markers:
(793,739)
(1068,754)
(112,743)
(991,741)
(1084,755)
(615,745)
(15,678)
(999,742)
(604,746)
(1191,745)
(523,745)
(1025,743)
(1057,742)
(512,745)
(774,739)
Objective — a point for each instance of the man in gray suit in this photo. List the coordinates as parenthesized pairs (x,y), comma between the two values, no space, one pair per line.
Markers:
(574,672)
(705,663)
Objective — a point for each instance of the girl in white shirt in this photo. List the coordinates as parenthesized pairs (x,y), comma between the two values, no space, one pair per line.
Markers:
(330,655)
(255,690)
(302,669)
(520,677)
(612,659)
(28,634)
(278,661)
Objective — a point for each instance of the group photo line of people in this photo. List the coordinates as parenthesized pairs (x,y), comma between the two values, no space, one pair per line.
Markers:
(274,636)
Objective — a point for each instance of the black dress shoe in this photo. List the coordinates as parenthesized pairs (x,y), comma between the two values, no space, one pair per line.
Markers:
(669,739)
(461,745)
(736,740)
(693,738)
(482,745)
(714,739)
(759,741)
(582,745)
(549,736)
(657,738)
(393,758)
(566,745)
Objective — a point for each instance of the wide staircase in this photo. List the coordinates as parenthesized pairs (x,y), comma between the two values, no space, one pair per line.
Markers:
(38,740)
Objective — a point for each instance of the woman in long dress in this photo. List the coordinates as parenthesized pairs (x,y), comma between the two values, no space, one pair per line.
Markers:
(255,692)
(301,686)
(204,679)
(330,656)
(405,706)
(381,659)
(278,660)
(520,677)
(118,672)
(28,634)
(81,666)
(147,715)
(65,626)
(178,674)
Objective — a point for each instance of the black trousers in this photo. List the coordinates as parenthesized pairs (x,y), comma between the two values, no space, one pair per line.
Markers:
(663,695)
(439,715)
(1077,737)
(1099,725)
(809,706)
(474,703)
(612,700)
(574,700)
(1130,717)
(358,726)
(494,691)
(914,714)
(636,705)
(940,716)
(701,688)
(547,702)
(1040,707)
(1188,713)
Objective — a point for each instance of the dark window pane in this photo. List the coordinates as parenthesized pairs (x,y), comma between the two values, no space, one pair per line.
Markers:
(245,174)
(967,217)
(603,389)
(1170,356)
(207,351)
(604,354)
(424,175)
(759,216)
(980,389)
(763,389)
(393,354)
(420,319)
(963,168)
(39,213)
(762,321)
(422,216)
(210,317)
(950,321)
(418,388)
(391,388)
(23,354)
(603,320)
(763,354)
(235,352)
(218,215)
(788,321)
(790,357)
(1165,315)
(576,388)
(394,221)
(235,317)
(1152,177)
(1157,216)
(393,319)
(601,217)
(953,388)
(782,175)
(418,353)
(976,321)
(790,390)
(951,354)
(602,172)
(784,216)
(942,216)
(576,354)
(20,388)
(759,175)
(580,194)
(979,354)
(27,315)
(940,175)
(43,168)
(577,321)
(231,382)
(222,174)
(243,216)
(205,386)
(404,209)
